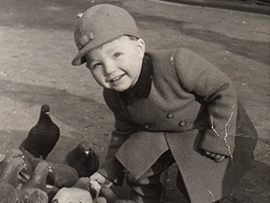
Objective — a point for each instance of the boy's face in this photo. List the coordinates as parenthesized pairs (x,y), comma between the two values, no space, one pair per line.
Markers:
(117,64)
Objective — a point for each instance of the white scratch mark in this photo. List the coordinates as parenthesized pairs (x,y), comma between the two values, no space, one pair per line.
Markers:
(212,126)
(226,131)
(213,197)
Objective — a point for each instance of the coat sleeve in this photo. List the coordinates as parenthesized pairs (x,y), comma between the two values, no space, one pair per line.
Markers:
(203,79)
(111,168)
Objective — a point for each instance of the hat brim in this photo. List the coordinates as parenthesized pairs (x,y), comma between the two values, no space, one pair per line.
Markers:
(79,59)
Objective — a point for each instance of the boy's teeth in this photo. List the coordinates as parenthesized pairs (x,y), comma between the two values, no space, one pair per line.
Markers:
(117,78)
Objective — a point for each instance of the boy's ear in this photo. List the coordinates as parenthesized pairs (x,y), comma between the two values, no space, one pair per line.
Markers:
(141,47)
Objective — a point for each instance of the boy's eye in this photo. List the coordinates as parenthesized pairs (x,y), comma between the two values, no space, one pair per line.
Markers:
(96,65)
(116,55)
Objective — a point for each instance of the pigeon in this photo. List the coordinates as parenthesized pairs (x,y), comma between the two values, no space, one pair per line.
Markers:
(43,136)
(80,192)
(10,155)
(26,173)
(62,175)
(34,191)
(8,179)
(83,159)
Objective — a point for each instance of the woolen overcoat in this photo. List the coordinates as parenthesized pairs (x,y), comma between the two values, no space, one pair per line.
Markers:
(192,106)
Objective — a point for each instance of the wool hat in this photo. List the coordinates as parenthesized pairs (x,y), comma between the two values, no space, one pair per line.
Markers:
(99,25)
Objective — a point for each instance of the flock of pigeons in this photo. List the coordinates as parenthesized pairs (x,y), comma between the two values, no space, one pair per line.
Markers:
(26,176)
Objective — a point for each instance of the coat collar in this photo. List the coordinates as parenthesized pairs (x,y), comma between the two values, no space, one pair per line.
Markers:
(143,86)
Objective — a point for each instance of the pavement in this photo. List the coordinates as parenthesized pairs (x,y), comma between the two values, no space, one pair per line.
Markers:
(255,6)
(37,47)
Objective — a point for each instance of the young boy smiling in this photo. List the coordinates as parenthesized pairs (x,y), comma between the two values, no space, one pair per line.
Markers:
(117,65)
(170,106)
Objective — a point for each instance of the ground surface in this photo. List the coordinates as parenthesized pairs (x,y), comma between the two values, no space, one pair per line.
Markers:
(37,47)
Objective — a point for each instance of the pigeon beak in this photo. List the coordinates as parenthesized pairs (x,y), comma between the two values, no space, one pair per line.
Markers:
(49,186)
(50,169)
(24,166)
(87,152)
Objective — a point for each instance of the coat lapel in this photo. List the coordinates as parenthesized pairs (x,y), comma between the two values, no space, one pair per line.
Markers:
(141,150)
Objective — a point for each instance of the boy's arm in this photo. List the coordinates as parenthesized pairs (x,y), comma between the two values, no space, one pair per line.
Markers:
(111,168)
(214,87)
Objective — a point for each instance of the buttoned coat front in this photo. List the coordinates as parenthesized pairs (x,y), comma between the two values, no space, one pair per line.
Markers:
(192,106)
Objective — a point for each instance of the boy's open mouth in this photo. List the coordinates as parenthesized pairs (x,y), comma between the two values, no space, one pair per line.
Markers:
(117,78)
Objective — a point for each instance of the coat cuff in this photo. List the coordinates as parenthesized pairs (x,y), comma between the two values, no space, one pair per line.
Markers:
(115,178)
(218,143)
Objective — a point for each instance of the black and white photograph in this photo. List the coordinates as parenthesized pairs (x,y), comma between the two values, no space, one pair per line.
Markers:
(135,101)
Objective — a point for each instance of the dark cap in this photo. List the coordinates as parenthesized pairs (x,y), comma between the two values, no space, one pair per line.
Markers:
(99,25)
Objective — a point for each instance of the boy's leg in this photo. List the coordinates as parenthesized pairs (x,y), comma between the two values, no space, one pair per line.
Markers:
(148,188)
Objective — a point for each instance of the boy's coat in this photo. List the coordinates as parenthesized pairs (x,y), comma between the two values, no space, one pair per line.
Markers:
(192,106)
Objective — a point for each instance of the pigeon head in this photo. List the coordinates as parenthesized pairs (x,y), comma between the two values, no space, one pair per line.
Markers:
(45,108)
(13,154)
(11,171)
(39,176)
(83,159)
(85,146)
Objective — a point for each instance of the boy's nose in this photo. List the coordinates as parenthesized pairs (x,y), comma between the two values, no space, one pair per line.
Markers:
(109,68)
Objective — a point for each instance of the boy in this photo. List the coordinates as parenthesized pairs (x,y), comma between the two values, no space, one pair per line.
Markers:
(169,106)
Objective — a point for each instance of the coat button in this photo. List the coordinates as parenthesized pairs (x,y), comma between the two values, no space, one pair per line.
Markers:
(146,126)
(170,115)
(182,123)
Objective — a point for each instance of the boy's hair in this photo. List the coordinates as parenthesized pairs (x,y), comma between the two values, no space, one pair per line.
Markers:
(132,38)
(99,25)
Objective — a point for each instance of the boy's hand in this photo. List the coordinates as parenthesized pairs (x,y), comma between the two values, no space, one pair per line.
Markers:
(101,179)
(216,157)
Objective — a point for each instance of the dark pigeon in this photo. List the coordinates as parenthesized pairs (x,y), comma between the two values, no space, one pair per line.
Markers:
(62,175)
(83,159)
(43,136)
